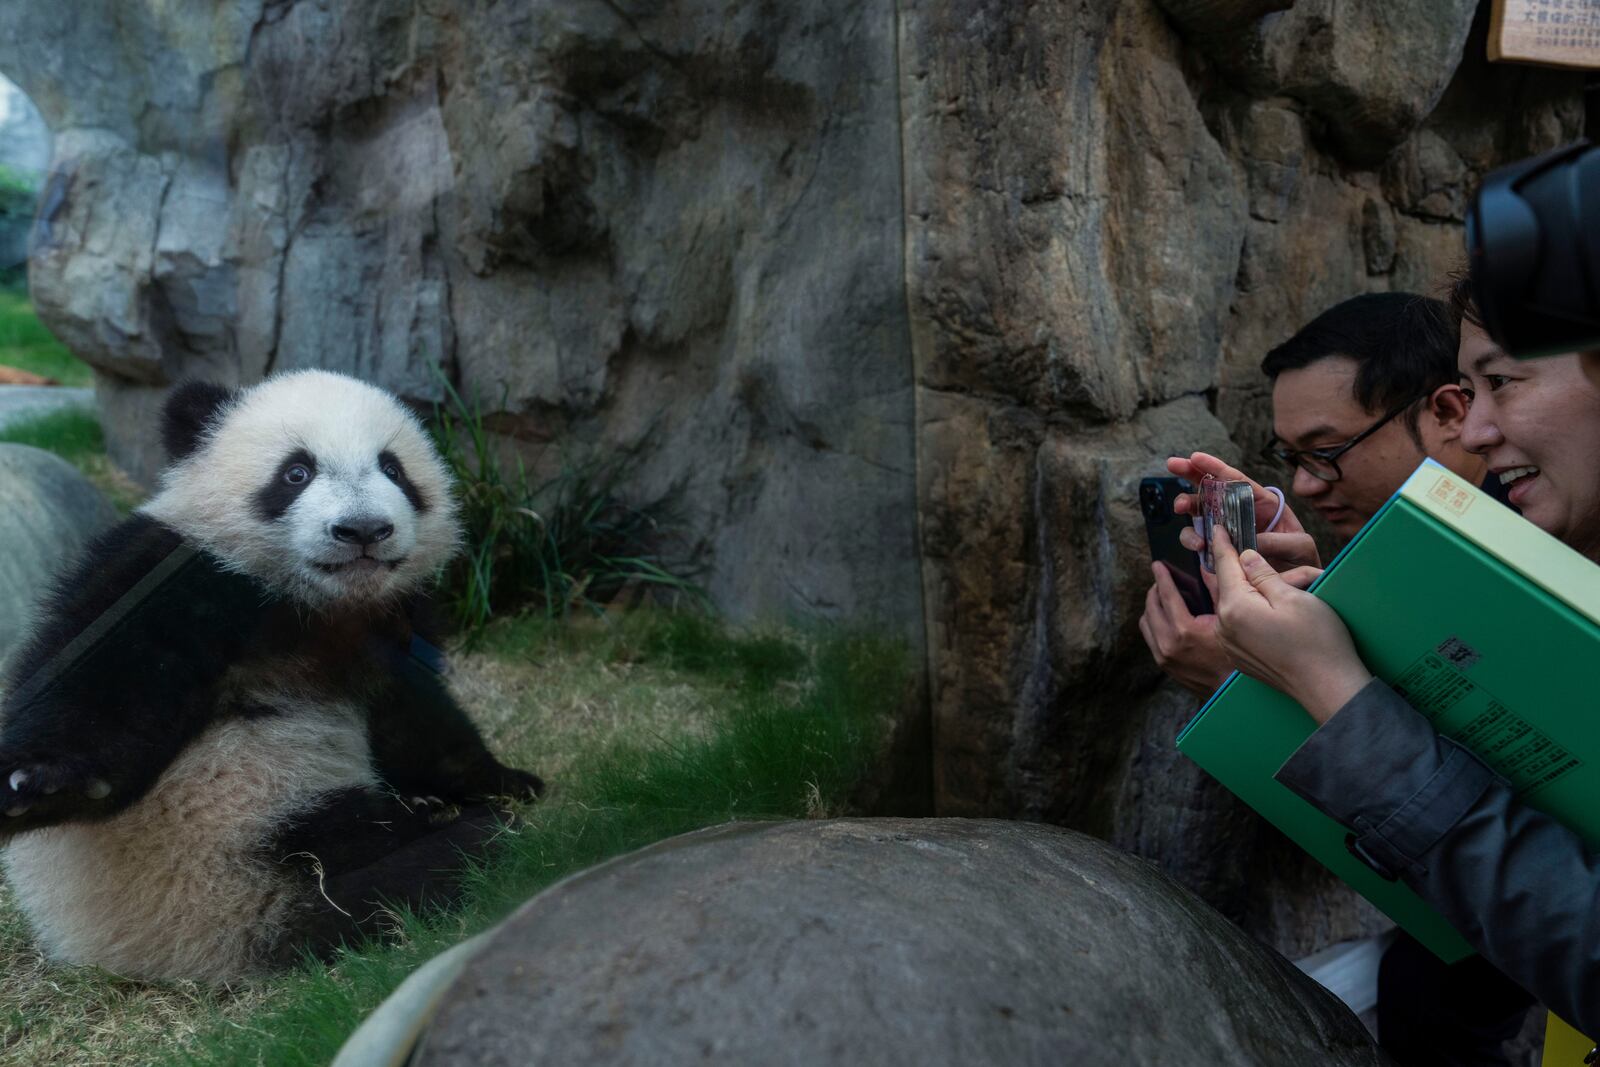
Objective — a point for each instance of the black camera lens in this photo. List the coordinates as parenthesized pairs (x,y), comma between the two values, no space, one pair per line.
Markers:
(1533,242)
(1152,499)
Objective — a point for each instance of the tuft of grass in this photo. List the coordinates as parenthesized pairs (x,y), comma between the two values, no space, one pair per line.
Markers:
(27,345)
(74,434)
(570,541)
(647,725)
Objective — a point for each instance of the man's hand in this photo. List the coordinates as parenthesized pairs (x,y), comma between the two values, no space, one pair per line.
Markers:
(1282,635)
(1288,546)
(1185,646)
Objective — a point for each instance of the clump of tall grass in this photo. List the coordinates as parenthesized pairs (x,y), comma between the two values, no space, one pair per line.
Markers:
(569,541)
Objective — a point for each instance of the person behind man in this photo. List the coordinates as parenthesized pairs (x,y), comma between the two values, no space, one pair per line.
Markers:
(1360,396)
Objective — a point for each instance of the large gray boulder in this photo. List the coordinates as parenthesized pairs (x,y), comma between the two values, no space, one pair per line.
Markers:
(50,513)
(926,943)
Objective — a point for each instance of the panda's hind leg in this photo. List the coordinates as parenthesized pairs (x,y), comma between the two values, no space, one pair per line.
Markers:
(363,852)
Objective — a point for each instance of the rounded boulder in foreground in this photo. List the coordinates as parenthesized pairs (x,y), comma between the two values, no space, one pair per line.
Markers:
(50,512)
(917,942)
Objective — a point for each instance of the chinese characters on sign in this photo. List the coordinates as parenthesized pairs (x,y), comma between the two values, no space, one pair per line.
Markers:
(1562,33)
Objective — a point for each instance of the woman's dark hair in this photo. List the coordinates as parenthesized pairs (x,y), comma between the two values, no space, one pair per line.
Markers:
(1403,345)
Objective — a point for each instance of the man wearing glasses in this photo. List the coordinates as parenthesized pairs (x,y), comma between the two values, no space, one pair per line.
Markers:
(1360,396)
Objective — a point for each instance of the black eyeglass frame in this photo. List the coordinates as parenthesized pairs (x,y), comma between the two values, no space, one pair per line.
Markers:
(1330,456)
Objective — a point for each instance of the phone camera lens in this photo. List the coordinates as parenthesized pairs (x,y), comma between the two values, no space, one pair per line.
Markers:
(1150,497)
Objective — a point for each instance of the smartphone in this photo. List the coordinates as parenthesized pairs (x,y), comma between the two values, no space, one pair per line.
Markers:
(1163,525)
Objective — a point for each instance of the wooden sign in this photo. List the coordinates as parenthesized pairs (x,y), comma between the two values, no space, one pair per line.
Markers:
(1552,33)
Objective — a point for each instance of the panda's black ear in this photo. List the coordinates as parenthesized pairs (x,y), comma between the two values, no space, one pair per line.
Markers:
(188,411)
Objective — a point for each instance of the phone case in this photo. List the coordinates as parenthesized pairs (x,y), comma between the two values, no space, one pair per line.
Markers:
(1162,527)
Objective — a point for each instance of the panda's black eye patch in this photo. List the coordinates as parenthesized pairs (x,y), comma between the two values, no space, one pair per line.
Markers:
(395,471)
(293,474)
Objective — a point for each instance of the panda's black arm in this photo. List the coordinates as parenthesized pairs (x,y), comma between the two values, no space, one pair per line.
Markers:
(119,675)
(423,743)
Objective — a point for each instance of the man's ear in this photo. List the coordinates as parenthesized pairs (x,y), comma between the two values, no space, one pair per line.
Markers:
(189,410)
(1447,407)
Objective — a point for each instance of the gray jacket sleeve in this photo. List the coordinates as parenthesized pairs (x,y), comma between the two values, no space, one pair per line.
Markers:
(1520,887)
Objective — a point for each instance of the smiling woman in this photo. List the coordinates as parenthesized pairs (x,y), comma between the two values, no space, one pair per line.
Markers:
(1537,424)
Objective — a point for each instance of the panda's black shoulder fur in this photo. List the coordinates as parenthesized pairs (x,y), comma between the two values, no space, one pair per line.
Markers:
(122,669)
(107,568)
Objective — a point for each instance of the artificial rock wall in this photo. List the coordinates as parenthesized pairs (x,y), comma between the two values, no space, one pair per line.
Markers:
(895,300)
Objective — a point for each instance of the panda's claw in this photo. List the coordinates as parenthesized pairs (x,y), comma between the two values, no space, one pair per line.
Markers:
(97,789)
(18,809)
(17,779)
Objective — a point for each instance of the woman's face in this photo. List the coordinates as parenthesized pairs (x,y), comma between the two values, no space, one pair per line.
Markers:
(1537,423)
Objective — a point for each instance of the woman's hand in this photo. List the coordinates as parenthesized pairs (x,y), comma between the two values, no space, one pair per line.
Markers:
(1287,547)
(1282,635)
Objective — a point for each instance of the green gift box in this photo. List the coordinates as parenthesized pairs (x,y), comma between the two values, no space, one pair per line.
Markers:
(1486,624)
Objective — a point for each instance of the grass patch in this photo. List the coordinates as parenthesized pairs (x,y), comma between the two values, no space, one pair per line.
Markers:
(27,345)
(571,541)
(74,434)
(647,725)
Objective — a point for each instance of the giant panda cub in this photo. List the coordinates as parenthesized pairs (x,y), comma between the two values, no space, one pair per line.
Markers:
(209,745)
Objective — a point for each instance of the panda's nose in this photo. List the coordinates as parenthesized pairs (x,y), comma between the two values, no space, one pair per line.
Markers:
(361,531)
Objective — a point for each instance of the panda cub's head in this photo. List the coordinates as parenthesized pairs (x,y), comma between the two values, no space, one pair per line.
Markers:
(323,487)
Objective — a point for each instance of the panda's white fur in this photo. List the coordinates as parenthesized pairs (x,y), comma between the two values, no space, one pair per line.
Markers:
(172,887)
(344,423)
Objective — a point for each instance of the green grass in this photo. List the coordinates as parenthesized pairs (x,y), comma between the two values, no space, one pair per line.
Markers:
(569,541)
(27,345)
(646,725)
(74,434)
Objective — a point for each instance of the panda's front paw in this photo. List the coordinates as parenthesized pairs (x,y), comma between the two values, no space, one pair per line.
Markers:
(37,791)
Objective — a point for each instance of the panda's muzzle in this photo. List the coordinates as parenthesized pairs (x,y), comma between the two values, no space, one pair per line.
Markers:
(361,532)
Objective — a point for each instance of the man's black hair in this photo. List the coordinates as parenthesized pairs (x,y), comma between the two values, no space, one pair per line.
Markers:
(1403,344)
